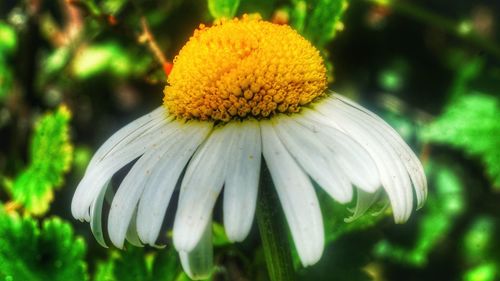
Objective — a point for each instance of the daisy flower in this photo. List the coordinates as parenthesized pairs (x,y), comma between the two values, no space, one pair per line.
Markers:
(243,93)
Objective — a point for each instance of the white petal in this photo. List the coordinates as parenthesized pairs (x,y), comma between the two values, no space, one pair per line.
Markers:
(127,134)
(314,157)
(96,216)
(297,197)
(127,196)
(200,188)
(355,161)
(96,177)
(163,179)
(132,236)
(393,175)
(409,159)
(130,190)
(242,179)
(198,263)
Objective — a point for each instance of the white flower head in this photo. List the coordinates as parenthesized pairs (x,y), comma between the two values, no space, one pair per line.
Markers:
(240,90)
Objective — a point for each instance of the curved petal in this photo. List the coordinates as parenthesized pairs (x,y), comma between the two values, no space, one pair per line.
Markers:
(393,174)
(242,179)
(131,235)
(200,188)
(96,216)
(407,156)
(297,197)
(364,201)
(127,134)
(198,263)
(163,179)
(314,157)
(355,160)
(128,194)
(95,178)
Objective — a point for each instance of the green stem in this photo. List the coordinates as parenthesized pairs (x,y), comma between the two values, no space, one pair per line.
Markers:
(273,231)
(413,11)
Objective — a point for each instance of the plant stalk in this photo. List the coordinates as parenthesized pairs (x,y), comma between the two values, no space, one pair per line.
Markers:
(273,231)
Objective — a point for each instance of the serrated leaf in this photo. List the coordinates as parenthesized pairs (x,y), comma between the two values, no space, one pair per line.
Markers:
(51,155)
(31,253)
(223,8)
(471,123)
(138,264)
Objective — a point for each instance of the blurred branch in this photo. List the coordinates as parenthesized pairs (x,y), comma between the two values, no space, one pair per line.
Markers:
(147,37)
(94,11)
(425,16)
(64,35)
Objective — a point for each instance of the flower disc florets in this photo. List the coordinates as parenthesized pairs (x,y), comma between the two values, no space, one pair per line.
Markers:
(244,68)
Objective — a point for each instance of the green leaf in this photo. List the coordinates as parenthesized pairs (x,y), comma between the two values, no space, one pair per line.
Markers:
(8,39)
(479,239)
(471,123)
(487,271)
(8,44)
(112,6)
(56,61)
(318,20)
(263,7)
(31,253)
(483,272)
(219,235)
(6,79)
(51,156)
(138,264)
(108,57)
(442,209)
(223,8)
(104,271)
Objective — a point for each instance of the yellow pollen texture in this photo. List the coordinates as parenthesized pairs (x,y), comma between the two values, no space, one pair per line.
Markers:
(244,68)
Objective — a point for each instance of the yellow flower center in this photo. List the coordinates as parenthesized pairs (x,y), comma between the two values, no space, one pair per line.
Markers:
(242,68)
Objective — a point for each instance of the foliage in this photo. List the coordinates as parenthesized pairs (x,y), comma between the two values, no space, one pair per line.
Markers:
(223,8)
(108,57)
(29,252)
(137,264)
(431,71)
(471,123)
(335,217)
(318,20)
(8,44)
(441,211)
(51,156)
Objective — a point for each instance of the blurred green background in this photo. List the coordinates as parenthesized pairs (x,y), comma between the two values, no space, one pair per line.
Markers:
(72,72)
